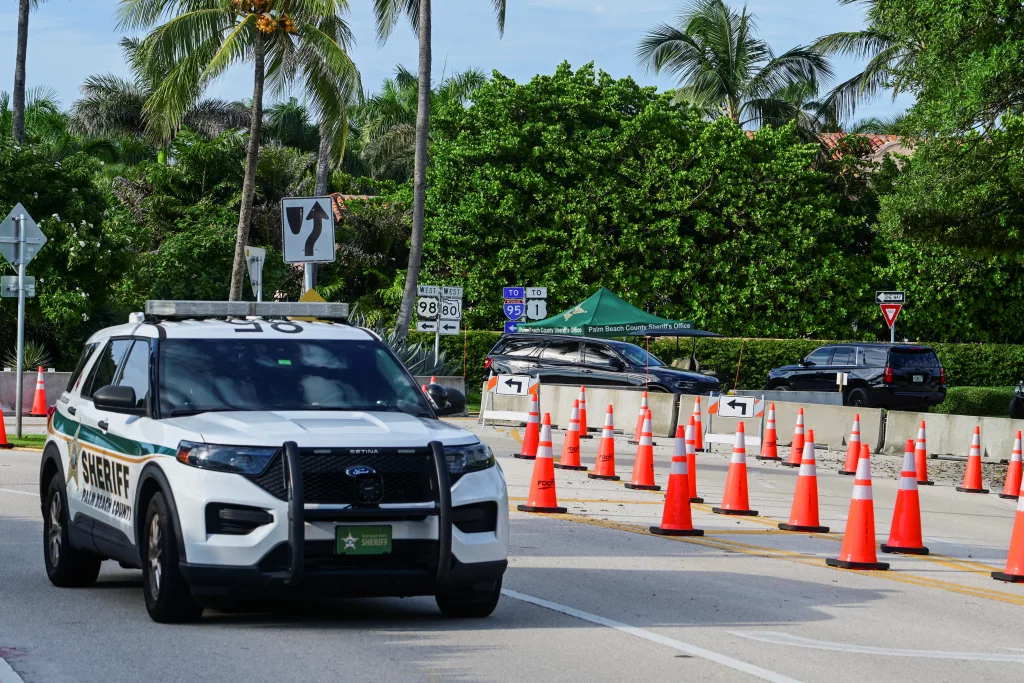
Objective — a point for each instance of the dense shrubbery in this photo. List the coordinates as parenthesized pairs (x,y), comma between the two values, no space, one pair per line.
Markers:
(984,401)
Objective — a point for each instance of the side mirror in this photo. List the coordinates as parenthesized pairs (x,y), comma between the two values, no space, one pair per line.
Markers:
(455,403)
(806,363)
(116,400)
(438,394)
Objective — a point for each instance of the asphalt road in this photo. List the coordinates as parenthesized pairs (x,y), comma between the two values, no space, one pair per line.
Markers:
(590,595)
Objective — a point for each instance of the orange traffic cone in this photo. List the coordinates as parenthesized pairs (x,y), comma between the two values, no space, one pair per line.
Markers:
(676,519)
(4,443)
(858,551)
(972,475)
(571,446)
(735,501)
(1014,572)
(542,496)
(584,431)
(770,445)
(640,420)
(643,466)
(532,438)
(1011,487)
(691,461)
(698,428)
(804,515)
(796,451)
(604,468)
(433,379)
(921,458)
(853,449)
(905,532)
(39,400)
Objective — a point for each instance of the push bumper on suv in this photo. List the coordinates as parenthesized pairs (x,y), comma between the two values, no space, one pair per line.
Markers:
(414,567)
(889,397)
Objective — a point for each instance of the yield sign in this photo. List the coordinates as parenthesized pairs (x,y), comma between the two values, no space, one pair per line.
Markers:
(889,312)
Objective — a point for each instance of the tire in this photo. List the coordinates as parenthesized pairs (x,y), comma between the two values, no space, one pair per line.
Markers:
(469,603)
(1017,408)
(66,567)
(858,398)
(168,597)
(781,387)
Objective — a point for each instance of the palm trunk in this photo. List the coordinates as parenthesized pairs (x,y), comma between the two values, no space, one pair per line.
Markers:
(419,175)
(18,104)
(252,158)
(323,161)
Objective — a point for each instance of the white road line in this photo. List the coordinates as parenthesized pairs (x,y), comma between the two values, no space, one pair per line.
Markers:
(756,671)
(7,674)
(20,493)
(777,638)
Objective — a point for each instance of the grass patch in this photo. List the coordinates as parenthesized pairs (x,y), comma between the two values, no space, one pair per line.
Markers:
(28,441)
(981,401)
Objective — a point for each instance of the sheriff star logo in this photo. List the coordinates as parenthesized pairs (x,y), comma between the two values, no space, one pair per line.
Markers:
(350,541)
(74,452)
(576,311)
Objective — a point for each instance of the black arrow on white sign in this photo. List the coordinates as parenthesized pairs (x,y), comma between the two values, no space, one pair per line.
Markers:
(519,385)
(449,326)
(741,404)
(318,216)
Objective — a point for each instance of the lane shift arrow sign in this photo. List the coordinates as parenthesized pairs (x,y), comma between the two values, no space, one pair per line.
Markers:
(519,385)
(318,216)
(734,404)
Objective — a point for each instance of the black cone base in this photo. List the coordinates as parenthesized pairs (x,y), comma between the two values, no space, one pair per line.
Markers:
(790,464)
(742,513)
(676,532)
(931,483)
(524,457)
(843,564)
(1008,496)
(534,508)
(906,551)
(603,477)
(1009,578)
(770,459)
(961,489)
(633,442)
(641,487)
(586,436)
(560,466)
(696,499)
(845,473)
(785,526)
(7,445)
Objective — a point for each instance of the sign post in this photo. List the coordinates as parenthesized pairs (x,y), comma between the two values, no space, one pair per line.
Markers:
(891,304)
(307,233)
(20,240)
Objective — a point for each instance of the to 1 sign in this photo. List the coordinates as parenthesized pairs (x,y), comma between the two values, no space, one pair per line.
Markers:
(427,307)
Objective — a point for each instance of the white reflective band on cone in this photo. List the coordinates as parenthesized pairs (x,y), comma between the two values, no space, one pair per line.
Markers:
(808,470)
(909,464)
(908,482)
(544,447)
(607,433)
(864,469)
(862,493)
(1020,502)
(738,456)
(678,467)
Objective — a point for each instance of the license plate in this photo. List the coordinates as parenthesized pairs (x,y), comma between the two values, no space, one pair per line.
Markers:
(362,540)
(918,378)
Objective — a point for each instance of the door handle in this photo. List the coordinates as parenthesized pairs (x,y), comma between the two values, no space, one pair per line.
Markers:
(102,424)
(72,410)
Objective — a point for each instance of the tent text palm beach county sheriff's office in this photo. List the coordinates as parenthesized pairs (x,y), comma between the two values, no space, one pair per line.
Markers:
(605,315)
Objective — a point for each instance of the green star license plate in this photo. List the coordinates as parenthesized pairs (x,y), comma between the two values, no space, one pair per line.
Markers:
(363,540)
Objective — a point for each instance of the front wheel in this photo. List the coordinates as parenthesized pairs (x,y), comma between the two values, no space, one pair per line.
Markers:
(858,398)
(66,567)
(168,597)
(469,603)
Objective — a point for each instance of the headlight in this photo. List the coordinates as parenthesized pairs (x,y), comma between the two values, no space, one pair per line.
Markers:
(236,459)
(471,458)
(686,384)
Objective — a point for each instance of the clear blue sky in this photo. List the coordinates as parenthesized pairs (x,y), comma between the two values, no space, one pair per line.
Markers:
(70,39)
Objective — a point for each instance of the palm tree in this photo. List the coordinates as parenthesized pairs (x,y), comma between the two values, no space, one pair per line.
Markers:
(286,41)
(887,60)
(387,14)
(724,69)
(18,105)
(388,119)
(114,106)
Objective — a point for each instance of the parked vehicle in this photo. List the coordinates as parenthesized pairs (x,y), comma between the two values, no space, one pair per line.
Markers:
(900,376)
(563,359)
(1017,402)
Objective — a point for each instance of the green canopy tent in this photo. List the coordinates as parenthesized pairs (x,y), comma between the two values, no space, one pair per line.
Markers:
(605,315)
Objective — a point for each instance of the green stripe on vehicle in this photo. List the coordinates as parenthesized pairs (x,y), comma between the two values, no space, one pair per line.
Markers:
(105,440)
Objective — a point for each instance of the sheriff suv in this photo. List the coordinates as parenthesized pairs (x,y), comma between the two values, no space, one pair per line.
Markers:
(227,450)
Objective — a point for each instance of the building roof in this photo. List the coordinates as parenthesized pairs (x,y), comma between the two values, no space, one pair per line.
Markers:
(338,201)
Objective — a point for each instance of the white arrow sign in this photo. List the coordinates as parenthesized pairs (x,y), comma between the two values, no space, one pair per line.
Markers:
(307,229)
(426,326)
(513,385)
(449,327)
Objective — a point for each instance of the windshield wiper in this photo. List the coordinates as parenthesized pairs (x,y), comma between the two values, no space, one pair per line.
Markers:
(197,411)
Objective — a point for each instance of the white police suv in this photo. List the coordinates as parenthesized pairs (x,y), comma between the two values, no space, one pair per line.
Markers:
(227,450)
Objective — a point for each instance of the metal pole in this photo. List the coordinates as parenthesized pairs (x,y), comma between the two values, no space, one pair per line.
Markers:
(20,373)
(259,285)
(308,277)
(437,342)
(892,333)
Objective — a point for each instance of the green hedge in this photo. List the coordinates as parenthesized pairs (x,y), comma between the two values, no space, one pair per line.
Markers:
(967,365)
(985,401)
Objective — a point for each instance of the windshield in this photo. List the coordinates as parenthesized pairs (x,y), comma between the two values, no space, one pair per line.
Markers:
(637,356)
(209,375)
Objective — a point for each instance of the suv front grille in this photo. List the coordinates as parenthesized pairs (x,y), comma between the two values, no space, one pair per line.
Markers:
(406,476)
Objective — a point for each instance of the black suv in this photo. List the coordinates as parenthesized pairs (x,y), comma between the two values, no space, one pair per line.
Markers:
(881,375)
(562,359)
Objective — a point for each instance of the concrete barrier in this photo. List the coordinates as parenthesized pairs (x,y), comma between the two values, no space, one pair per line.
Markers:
(951,434)
(829,398)
(55,382)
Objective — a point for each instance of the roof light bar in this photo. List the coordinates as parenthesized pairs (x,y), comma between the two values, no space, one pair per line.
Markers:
(242,309)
